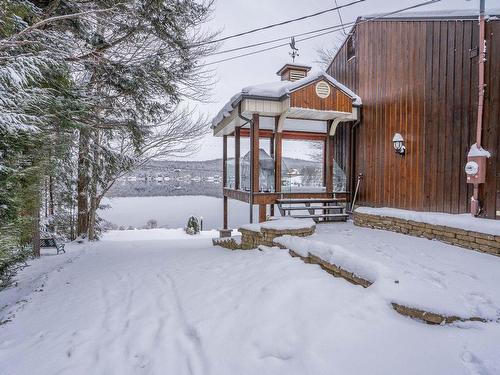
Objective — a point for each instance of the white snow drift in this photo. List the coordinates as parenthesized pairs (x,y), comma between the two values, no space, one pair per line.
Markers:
(177,305)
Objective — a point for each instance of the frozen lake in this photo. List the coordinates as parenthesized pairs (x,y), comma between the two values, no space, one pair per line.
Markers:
(173,211)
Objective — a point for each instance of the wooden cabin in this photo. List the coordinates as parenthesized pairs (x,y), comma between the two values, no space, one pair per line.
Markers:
(408,79)
(417,75)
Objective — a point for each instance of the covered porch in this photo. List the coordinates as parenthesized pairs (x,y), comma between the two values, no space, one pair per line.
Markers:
(306,109)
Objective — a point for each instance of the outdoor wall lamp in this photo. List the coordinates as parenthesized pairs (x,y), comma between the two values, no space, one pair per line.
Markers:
(399,144)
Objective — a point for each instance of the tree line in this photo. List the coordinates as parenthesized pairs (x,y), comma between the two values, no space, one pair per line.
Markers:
(90,89)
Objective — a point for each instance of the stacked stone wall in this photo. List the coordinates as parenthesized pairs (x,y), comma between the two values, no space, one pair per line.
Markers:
(252,239)
(473,240)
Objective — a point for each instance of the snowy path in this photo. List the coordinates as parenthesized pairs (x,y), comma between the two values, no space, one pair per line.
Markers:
(178,306)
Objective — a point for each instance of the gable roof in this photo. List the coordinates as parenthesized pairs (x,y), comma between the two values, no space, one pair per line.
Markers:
(280,90)
(451,14)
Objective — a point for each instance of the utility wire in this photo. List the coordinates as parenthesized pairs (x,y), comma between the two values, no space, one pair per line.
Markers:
(279,23)
(280,39)
(340,18)
(331,29)
(269,48)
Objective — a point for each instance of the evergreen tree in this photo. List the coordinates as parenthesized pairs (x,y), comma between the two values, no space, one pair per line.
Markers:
(89,90)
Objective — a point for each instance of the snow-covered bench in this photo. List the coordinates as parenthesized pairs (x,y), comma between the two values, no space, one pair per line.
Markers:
(51,242)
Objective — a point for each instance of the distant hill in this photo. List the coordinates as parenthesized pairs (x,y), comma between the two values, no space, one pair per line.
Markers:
(178,177)
(212,165)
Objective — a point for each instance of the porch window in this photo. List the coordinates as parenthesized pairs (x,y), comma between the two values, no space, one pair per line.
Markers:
(351,47)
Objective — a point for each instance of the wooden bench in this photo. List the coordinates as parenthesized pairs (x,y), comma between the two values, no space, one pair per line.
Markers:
(51,242)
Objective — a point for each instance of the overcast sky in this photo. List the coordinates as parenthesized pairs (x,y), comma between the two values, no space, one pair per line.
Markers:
(234,16)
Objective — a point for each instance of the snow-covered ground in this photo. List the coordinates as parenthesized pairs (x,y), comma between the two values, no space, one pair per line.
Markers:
(414,272)
(173,211)
(161,302)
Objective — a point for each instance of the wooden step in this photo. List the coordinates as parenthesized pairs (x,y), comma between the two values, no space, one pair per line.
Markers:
(343,217)
(305,208)
(309,200)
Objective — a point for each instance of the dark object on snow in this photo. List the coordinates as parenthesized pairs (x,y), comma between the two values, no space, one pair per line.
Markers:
(51,242)
(193,225)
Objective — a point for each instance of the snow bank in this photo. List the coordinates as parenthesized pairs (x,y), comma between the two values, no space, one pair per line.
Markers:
(285,223)
(185,307)
(32,278)
(461,221)
(334,254)
(411,271)
(156,234)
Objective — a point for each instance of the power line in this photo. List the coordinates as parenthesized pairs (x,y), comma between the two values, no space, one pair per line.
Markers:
(333,29)
(280,39)
(280,23)
(340,18)
(267,49)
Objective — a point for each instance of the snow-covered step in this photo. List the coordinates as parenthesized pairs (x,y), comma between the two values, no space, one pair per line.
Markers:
(329,217)
(310,200)
(303,208)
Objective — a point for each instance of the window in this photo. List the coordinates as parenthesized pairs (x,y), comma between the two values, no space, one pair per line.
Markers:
(351,47)
(323,89)
(295,75)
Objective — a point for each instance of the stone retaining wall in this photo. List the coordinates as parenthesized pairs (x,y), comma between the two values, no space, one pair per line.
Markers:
(425,316)
(227,243)
(333,269)
(252,239)
(482,242)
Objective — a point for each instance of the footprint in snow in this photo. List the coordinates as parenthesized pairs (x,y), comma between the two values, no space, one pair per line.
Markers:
(473,364)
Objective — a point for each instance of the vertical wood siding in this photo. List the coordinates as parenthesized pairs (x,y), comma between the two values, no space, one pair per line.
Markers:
(418,78)
(306,97)
(491,128)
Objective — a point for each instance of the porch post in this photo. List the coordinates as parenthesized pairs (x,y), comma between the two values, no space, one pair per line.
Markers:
(271,152)
(277,157)
(271,146)
(254,134)
(237,132)
(225,213)
(224,161)
(325,157)
(329,160)
(262,213)
(224,177)
(254,160)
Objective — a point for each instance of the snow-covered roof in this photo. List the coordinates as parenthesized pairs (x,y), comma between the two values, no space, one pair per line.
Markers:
(278,90)
(476,151)
(449,13)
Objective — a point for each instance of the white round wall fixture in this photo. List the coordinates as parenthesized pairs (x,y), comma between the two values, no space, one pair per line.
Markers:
(323,89)
(471,168)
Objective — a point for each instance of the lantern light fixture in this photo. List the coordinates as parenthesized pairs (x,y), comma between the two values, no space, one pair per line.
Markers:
(399,144)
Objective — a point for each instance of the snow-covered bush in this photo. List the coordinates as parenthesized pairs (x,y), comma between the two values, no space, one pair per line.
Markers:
(193,225)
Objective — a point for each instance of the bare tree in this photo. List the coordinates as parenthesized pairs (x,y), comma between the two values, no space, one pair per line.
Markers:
(326,53)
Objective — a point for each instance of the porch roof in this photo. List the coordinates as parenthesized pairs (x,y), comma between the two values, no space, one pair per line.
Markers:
(273,99)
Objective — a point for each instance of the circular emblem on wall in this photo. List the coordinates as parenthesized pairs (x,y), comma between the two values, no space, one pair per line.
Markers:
(322,89)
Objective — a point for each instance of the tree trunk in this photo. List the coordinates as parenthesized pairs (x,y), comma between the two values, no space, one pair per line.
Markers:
(82,185)
(93,189)
(92,218)
(35,240)
(46,200)
(51,195)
